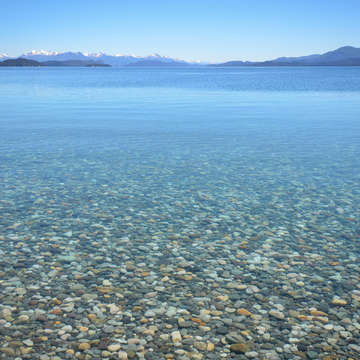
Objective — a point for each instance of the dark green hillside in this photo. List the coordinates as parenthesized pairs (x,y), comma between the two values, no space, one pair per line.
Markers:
(20,62)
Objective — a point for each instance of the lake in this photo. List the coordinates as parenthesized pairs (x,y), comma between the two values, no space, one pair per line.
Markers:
(201,212)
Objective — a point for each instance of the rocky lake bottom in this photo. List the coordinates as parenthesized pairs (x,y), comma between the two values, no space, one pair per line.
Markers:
(179,247)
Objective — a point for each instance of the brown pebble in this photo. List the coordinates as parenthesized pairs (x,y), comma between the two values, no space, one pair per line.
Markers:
(240,348)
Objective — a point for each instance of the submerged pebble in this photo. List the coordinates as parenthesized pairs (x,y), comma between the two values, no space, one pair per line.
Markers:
(221,252)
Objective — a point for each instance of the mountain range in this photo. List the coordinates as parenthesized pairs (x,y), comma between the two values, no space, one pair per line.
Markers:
(113,60)
(344,56)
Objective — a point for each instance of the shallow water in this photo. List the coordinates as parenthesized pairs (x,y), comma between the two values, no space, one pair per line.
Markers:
(138,202)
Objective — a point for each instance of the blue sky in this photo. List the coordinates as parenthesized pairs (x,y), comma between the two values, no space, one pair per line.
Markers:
(206,30)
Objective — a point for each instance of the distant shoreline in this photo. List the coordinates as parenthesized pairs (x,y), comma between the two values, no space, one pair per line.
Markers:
(343,56)
(179,66)
(22,62)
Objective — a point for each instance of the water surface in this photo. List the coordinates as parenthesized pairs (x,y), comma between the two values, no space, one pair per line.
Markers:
(148,197)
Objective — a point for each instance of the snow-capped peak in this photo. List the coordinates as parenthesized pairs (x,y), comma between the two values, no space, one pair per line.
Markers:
(155,55)
(41,52)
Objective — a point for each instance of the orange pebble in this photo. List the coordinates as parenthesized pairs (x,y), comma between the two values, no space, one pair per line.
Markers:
(198,321)
(243,312)
(56,312)
(318,313)
(91,316)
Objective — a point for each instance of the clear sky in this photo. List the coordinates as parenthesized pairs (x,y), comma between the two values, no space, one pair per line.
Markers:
(206,30)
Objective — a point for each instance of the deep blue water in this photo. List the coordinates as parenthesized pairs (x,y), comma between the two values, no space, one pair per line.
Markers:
(74,106)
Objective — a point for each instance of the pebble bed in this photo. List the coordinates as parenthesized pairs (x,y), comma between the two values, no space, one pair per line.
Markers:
(193,247)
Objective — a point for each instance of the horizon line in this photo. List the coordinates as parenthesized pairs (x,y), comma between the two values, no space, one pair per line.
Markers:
(99,53)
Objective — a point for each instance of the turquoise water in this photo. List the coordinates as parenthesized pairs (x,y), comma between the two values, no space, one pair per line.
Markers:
(171,188)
